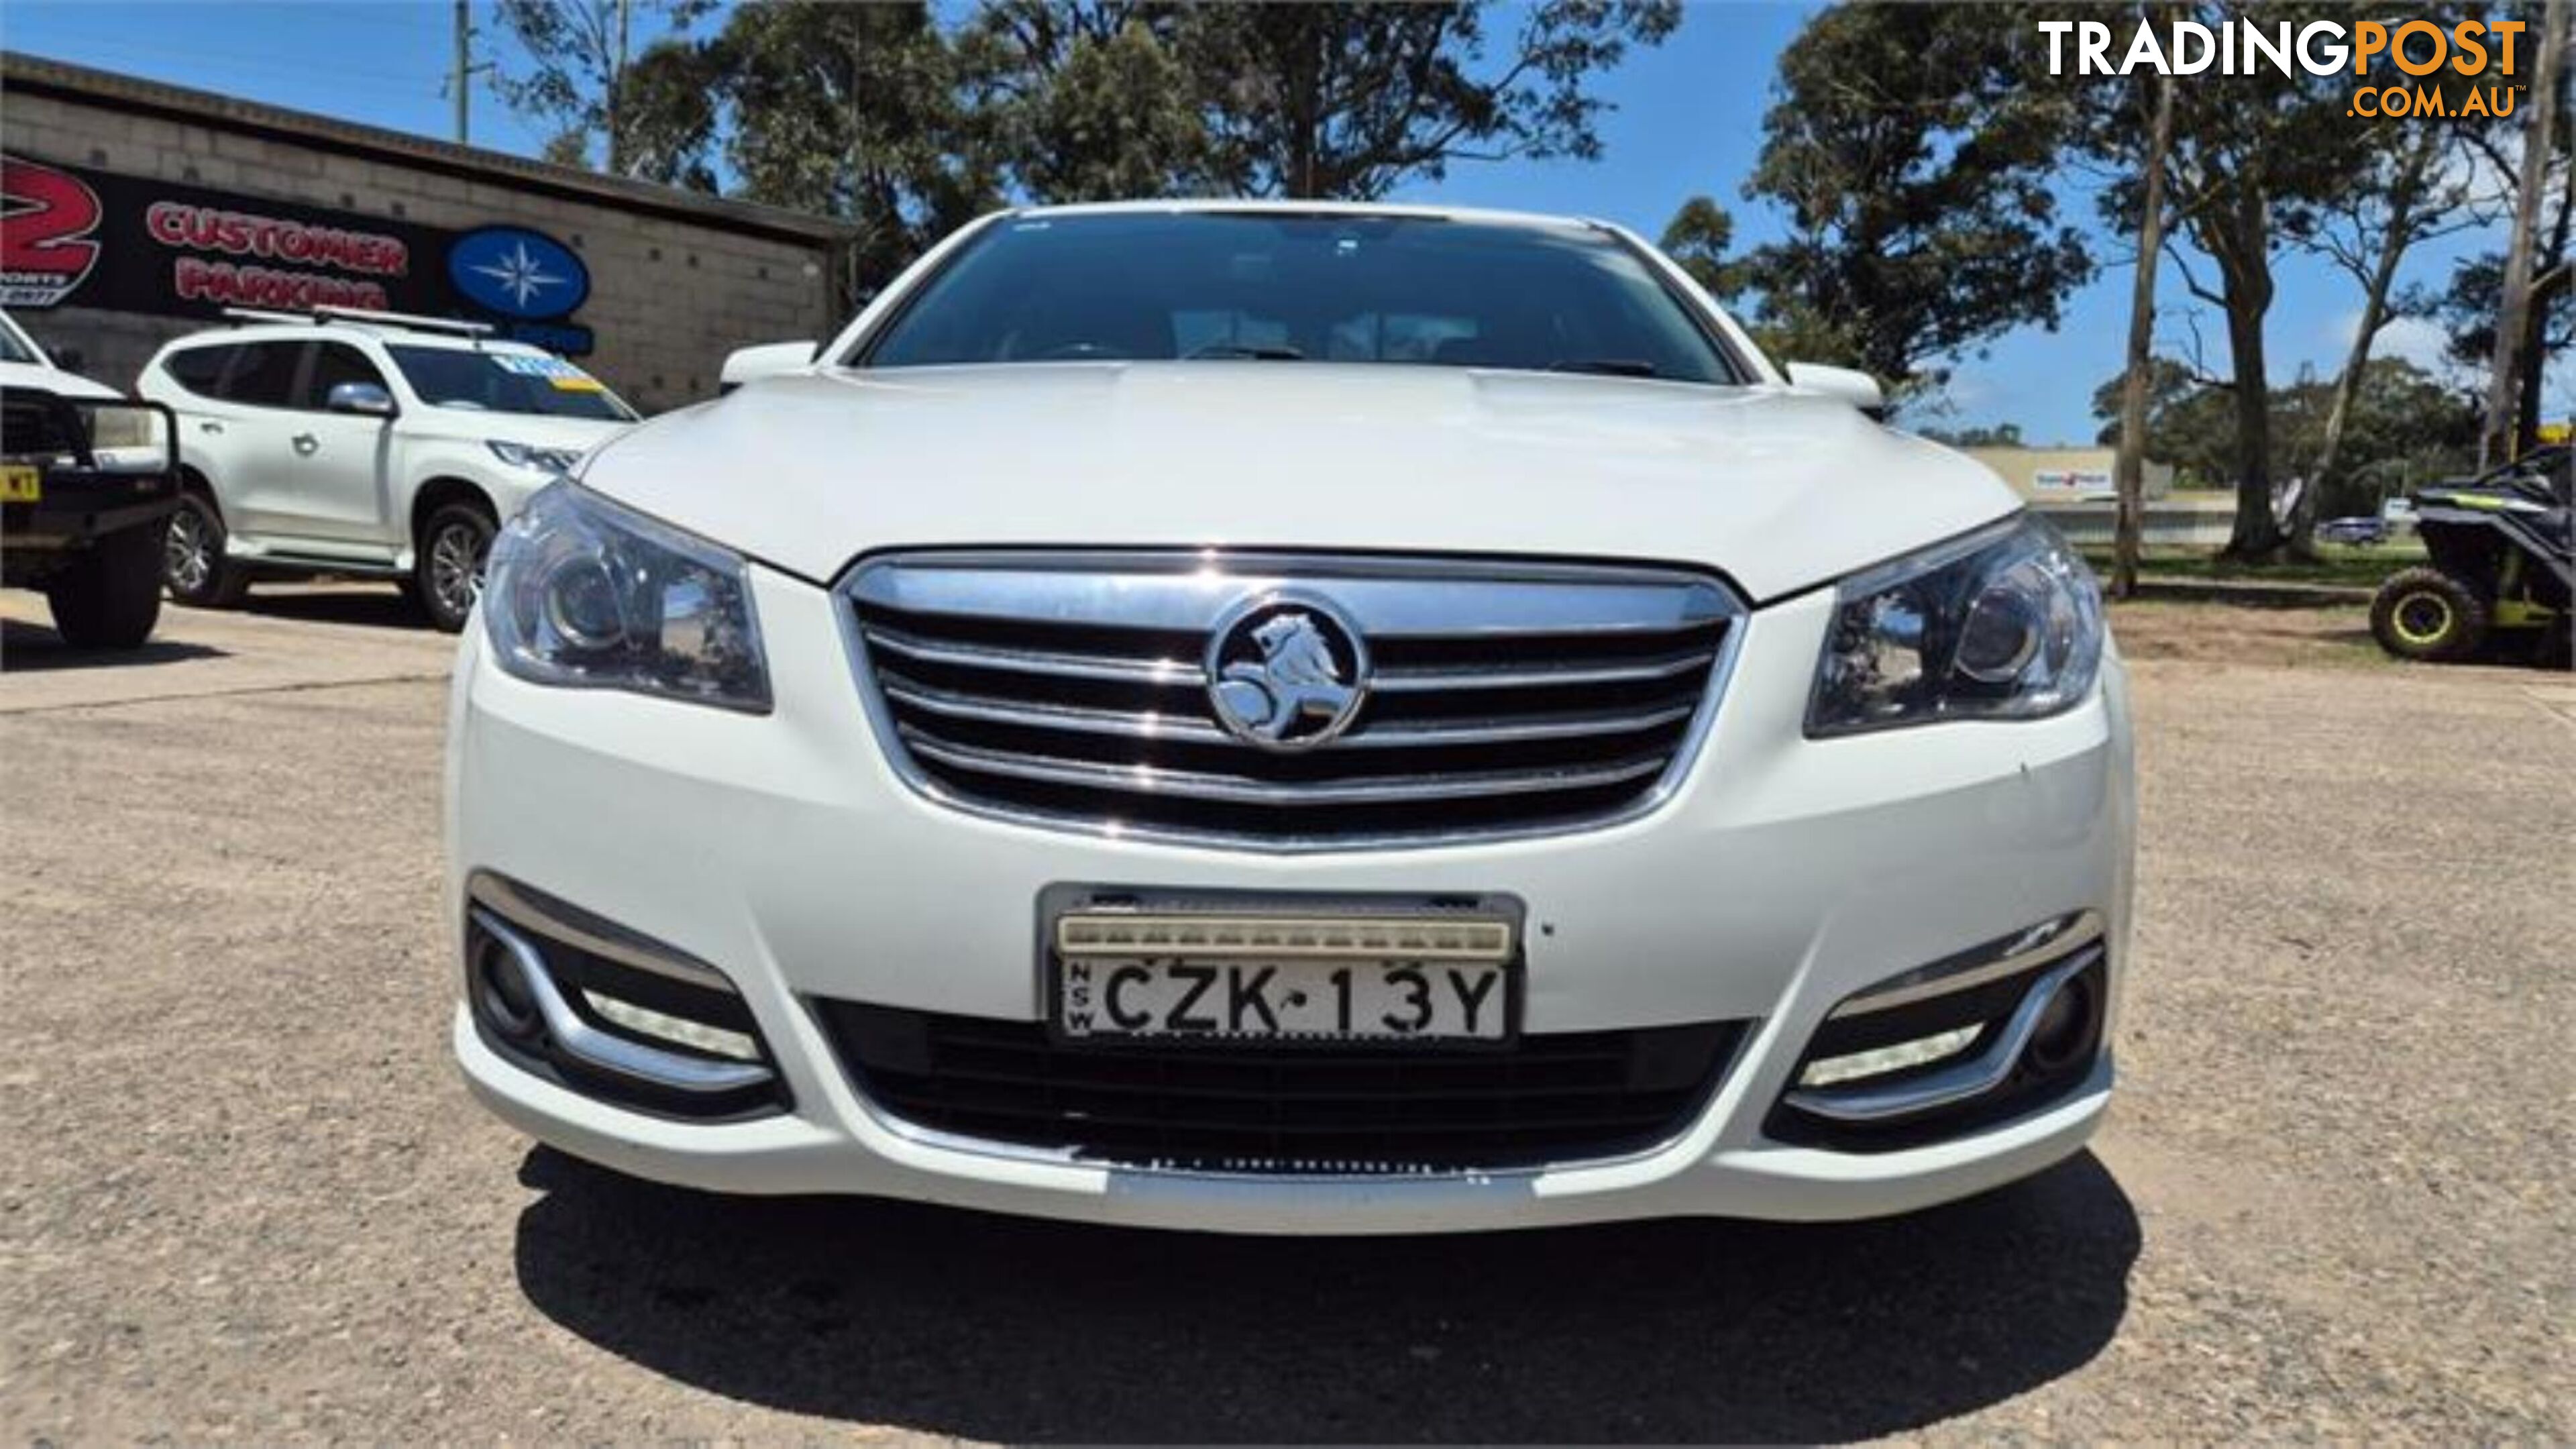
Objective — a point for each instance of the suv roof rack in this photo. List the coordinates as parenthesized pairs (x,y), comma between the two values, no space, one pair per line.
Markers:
(364,316)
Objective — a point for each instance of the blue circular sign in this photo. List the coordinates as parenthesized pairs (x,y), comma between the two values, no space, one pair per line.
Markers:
(518,273)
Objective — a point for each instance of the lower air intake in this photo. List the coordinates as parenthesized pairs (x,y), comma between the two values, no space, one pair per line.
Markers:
(1312,1111)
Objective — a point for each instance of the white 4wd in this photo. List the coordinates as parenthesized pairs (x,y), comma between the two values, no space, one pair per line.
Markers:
(363,443)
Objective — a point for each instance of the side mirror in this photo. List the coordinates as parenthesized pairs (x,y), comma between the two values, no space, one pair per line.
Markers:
(1850,384)
(769,359)
(69,359)
(363,398)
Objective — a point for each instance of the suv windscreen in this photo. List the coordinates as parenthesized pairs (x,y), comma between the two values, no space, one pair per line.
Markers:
(13,350)
(506,382)
(1399,289)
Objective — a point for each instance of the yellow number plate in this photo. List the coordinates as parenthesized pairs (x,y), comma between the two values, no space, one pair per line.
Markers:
(20,483)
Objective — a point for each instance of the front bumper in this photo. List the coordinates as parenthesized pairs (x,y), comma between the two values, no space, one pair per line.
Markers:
(1784,875)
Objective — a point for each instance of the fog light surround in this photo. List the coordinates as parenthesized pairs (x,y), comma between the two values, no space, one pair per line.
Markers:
(607,1012)
(1953,1046)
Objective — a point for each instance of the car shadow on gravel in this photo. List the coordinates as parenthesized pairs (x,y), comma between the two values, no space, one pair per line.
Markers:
(27,648)
(367,602)
(998,1328)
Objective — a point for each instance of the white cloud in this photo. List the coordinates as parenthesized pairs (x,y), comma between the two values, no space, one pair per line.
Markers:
(2419,340)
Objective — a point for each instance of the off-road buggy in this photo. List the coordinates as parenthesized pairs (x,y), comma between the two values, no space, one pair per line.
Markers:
(2503,549)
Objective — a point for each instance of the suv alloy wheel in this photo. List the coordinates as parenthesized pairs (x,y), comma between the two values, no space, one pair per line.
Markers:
(448,573)
(192,557)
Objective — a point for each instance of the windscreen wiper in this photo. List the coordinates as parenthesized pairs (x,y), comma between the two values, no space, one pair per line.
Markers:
(1245,350)
(1606,366)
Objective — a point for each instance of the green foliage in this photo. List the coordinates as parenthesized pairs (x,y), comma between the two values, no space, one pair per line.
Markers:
(2001,435)
(1347,100)
(578,74)
(2255,159)
(854,111)
(1115,125)
(668,114)
(1091,100)
(2357,566)
(1698,237)
(1914,152)
(2470,304)
(2404,425)
(2190,424)
(908,127)
(1103,98)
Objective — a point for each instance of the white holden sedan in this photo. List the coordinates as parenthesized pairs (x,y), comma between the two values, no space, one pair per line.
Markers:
(1292,718)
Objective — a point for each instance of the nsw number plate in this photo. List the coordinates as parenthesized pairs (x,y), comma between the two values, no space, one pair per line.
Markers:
(1283,979)
(20,483)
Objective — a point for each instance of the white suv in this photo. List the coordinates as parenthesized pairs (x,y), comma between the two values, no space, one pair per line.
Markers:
(362,443)
(1292,718)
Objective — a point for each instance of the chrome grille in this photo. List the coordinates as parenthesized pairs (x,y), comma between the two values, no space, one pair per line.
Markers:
(1504,698)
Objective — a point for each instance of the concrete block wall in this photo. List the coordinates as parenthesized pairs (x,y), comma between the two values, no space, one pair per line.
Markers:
(669,296)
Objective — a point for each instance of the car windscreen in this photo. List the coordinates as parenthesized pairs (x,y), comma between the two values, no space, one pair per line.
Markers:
(506,382)
(14,348)
(1286,287)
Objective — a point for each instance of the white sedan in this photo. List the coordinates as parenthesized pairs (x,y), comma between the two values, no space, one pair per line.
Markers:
(1292,718)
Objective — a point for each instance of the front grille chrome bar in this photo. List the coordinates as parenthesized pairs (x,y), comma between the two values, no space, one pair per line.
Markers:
(1113,722)
(1234,790)
(1031,661)
(1504,698)
(1171,671)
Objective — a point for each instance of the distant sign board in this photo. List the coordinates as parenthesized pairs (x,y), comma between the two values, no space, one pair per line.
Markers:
(2071,482)
(74,236)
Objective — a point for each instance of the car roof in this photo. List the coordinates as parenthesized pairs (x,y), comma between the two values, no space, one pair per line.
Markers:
(1532,220)
(346,331)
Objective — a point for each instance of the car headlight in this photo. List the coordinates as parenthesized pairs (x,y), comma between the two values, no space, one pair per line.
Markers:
(528,455)
(2005,623)
(582,592)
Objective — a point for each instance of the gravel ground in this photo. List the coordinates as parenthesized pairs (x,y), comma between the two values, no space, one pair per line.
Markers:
(246,1198)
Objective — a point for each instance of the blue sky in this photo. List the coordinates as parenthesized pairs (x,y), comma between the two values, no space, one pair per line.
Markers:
(1688,121)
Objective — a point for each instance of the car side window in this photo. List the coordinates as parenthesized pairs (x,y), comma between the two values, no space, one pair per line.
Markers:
(333,364)
(264,374)
(199,369)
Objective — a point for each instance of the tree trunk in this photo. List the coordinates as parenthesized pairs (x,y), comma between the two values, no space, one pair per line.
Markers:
(2256,534)
(2129,473)
(2535,331)
(2502,440)
(1305,82)
(2374,315)
(616,98)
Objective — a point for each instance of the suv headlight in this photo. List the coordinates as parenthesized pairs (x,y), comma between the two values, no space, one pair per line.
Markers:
(2005,623)
(582,592)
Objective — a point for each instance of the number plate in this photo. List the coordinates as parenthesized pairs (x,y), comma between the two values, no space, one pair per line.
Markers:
(20,483)
(1113,998)
(1286,979)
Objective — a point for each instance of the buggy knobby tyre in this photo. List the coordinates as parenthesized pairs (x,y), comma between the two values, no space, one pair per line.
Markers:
(2424,613)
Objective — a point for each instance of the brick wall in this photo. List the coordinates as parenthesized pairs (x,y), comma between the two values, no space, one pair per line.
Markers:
(669,296)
